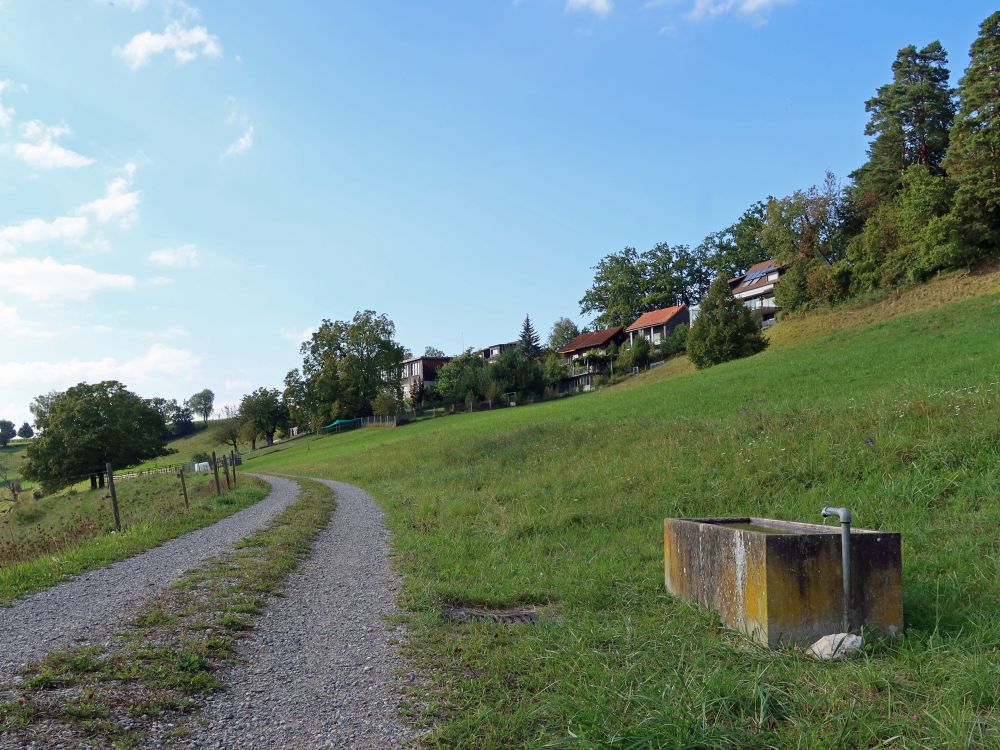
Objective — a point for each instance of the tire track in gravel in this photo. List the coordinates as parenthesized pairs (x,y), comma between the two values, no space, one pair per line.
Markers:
(319,669)
(96,603)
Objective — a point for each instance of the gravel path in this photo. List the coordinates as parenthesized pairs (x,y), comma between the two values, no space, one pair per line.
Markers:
(319,669)
(94,604)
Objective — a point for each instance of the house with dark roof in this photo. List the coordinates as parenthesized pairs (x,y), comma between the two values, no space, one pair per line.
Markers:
(755,289)
(586,358)
(420,369)
(656,325)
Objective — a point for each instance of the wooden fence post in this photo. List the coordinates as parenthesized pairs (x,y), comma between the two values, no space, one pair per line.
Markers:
(184,489)
(225,470)
(114,497)
(215,470)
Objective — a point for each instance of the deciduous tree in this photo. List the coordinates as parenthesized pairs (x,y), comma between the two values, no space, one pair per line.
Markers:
(265,412)
(563,331)
(228,429)
(516,371)
(90,425)
(465,373)
(202,403)
(25,432)
(7,432)
(618,292)
(553,370)
(351,362)
(731,251)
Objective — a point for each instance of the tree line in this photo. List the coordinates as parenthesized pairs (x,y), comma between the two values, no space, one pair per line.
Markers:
(926,200)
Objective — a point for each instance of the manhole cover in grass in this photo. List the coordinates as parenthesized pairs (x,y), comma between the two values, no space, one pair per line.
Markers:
(501,616)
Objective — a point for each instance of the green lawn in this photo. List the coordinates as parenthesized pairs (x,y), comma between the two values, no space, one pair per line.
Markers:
(561,505)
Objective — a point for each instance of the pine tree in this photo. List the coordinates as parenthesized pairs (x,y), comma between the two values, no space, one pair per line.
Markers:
(529,339)
(724,329)
(973,159)
(910,121)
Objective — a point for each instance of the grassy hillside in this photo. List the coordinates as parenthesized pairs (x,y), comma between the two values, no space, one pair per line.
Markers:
(202,440)
(561,505)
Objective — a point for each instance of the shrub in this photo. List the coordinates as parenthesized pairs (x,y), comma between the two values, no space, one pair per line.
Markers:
(386,404)
(724,329)
(674,343)
(636,354)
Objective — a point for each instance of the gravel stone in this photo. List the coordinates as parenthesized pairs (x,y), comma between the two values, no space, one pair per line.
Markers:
(96,603)
(320,669)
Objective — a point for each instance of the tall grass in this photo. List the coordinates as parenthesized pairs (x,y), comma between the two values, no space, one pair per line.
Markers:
(45,541)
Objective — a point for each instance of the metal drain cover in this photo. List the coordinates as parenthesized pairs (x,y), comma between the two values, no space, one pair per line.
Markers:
(500,616)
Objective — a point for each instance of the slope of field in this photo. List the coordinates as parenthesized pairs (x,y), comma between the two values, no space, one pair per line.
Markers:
(560,505)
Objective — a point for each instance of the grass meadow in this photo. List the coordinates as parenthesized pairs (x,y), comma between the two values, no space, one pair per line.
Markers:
(560,505)
(46,541)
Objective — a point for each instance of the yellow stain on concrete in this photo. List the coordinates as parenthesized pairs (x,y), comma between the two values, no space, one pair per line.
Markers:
(782,589)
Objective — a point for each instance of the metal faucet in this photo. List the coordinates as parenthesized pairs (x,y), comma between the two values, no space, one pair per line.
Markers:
(844,514)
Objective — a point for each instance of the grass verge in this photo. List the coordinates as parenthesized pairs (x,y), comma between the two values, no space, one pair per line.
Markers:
(560,505)
(43,542)
(116,693)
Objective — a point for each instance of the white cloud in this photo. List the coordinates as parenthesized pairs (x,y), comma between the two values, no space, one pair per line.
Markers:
(12,324)
(39,230)
(241,145)
(237,385)
(713,8)
(46,279)
(185,256)
(156,364)
(40,150)
(160,281)
(186,43)
(598,7)
(118,202)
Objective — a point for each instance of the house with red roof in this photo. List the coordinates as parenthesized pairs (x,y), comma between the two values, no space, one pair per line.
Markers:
(755,289)
(656,325)
(595,342)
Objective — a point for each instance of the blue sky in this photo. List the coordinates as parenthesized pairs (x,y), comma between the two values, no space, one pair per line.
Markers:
(187,190)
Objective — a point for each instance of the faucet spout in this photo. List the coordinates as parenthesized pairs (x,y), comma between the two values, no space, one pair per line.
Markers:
(844,514)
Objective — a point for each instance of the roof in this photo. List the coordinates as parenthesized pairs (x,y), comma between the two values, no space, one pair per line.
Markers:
(756,276)
(656,317)
(428,359)
(590,340)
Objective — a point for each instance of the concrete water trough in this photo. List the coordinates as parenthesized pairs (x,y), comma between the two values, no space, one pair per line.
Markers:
(782,582)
